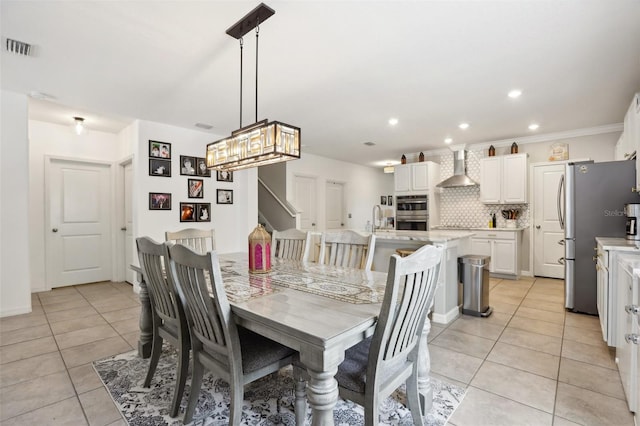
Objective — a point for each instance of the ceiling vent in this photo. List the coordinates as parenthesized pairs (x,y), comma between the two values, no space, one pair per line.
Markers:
(18,47)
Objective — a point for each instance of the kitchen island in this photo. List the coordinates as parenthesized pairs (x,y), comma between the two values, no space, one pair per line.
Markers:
(454,242)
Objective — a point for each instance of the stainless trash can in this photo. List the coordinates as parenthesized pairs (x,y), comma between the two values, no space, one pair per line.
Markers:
(473,273)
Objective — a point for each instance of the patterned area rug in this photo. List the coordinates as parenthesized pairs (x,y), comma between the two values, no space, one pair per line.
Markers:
(268,401)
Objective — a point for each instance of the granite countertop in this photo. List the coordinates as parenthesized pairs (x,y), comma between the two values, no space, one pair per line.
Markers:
(436,236)
(621,244)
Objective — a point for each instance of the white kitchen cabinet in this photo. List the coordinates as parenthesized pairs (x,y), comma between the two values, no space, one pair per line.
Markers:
(627,350)
(607,322)
(608,278)
(416,178)
(504,248)
(503,179)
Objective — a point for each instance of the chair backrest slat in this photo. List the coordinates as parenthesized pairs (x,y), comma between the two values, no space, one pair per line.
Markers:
(290,244)
(347,249)
(209,312)
(199,240)
(151,256)
(412,280)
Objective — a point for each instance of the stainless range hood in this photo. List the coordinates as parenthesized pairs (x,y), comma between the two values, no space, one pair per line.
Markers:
(459,177)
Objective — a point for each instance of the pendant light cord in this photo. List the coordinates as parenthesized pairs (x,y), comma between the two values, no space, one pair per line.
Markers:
(257,32)
(241,47)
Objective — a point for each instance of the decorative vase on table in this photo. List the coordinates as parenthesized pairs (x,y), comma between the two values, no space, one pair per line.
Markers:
(259,251)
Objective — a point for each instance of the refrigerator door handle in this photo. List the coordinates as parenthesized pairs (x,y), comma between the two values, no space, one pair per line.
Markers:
(560,188)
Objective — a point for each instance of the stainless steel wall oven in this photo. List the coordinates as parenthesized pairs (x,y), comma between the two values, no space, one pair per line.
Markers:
(412,213)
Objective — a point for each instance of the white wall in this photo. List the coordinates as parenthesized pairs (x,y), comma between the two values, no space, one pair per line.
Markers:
(48,139)
(362,190)
(15,290)
(232,223)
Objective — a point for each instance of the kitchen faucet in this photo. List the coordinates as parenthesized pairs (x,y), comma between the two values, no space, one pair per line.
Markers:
(373,217)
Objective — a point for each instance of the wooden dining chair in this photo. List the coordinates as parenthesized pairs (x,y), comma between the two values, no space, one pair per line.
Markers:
(291,244)
(347,248)
(231,352)
(168,317)
(377,366)
(200,240)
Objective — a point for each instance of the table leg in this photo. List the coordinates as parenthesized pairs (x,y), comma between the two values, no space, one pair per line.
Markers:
(146,322)
(322,393)
(425,390)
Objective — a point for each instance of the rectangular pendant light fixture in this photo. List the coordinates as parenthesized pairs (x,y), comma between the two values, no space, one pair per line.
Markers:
(256,145)
(260,143)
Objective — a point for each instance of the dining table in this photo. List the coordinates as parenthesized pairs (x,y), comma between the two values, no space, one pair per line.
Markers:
(318,310)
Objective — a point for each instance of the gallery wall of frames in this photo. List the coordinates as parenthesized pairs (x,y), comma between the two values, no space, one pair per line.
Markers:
(192,205)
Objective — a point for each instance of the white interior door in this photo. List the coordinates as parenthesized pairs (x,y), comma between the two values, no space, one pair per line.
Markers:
(334,205)
(79,222)
(547,233)
(129,243)
(306,201)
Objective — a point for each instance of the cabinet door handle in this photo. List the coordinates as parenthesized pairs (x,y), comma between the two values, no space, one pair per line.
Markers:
(561,261)
(632,338)
(632,309)
(537,226)
(561,242)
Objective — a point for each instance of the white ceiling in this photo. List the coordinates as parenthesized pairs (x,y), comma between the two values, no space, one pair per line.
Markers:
(339,69)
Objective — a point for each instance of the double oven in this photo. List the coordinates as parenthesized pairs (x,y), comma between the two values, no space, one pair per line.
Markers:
(412,213)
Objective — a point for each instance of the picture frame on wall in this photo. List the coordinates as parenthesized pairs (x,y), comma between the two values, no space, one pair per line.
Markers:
(224,196)
(224,176)
(383,200)
(195,188)
(203,211)
(390,200)
(158,167)
(159,149)
(187,212)
(187,165)
(159,201)
(201,167)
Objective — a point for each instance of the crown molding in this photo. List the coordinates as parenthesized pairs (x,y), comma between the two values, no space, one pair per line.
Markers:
(588,131)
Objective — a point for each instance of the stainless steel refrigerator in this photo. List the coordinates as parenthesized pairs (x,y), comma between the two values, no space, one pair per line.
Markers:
(594,196)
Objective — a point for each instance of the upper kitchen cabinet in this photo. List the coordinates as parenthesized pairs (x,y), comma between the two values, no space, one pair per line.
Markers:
(416,178)
(629,140)
(503,179)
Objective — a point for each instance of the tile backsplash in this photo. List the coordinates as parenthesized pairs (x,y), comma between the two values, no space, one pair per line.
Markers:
(462,206)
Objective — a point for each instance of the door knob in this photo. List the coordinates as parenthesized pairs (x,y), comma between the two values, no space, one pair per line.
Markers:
(54,230)
(537,226)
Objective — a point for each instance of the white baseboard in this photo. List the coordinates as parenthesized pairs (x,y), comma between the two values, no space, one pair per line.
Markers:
(16,311)
(445,318)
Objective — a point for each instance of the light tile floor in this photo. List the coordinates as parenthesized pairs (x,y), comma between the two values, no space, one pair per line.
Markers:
(529,363)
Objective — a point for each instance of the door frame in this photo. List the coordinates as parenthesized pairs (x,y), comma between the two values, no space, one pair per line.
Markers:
(119,266)
(48,160)
(531,271)
(294,202)
(327,182)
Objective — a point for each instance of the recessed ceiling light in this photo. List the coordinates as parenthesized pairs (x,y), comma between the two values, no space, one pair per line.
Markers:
(515,93)
(463,126)
(448,140)
(533,126)
(393,121)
